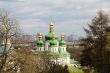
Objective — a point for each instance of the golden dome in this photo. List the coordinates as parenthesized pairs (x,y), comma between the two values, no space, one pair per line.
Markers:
(62,36)
(51,27)
(40,36)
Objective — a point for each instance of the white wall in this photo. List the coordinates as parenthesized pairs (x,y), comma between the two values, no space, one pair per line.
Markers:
(62,48)
(47,46)
(40,49)
(62,61)
(54,49)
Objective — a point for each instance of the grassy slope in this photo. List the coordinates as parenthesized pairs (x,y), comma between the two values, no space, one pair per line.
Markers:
(74,70)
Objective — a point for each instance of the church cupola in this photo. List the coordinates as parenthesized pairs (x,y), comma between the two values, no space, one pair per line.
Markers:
(40,42)
(49,35)
(53,42)
(39,36)
(5,30)
(53,36)
(51,27)
(62,41)
(62,36)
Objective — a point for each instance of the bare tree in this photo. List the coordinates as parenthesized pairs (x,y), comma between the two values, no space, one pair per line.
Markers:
(8,30)
(14,60)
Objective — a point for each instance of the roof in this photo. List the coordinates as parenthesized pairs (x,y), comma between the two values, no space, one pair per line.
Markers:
(62,43)
(49,36)
(2,49)
(74,62)
(53,43)
(40,43)
(59,54)
(55,54)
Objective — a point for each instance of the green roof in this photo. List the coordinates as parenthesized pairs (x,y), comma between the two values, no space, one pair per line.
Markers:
(59,54)
(74,62)
(49,36)
(62,43)
(53,43)
(54,54)
(40,43)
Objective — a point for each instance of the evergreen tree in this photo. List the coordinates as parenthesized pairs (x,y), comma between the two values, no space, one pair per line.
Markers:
(107,51)
(96,51)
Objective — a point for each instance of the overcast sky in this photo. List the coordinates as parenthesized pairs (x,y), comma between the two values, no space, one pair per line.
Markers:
(68,16)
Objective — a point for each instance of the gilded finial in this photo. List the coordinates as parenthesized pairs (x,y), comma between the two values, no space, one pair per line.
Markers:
(62,36)
(40,36)
(51,27)
(5,28)
(53,36)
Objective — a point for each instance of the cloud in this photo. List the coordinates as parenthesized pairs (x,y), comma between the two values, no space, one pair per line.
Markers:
(72,15)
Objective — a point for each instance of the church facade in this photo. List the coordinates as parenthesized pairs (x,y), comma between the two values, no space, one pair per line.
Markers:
(54,45)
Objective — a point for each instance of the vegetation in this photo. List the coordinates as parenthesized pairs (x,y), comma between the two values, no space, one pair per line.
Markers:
(8,30)
(74,70)
(95,57)
(33,63)
(97,51)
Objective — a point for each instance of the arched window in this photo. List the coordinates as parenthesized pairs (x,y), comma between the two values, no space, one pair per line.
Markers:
(40,49)
(44,49)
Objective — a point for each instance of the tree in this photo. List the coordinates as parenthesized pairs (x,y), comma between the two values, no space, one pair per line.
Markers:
(8,30)
(26,60)
(107,51)
(46,65)
(95,52)
(22,59)
(36,63)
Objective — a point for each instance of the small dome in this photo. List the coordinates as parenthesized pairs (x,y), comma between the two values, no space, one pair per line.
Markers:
(53,43)
(62,43)
(39,43)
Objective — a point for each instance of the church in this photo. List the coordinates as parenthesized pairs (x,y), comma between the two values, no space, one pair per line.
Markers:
(54,45)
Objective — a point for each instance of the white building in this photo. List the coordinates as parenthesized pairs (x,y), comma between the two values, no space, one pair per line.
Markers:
(54,45)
